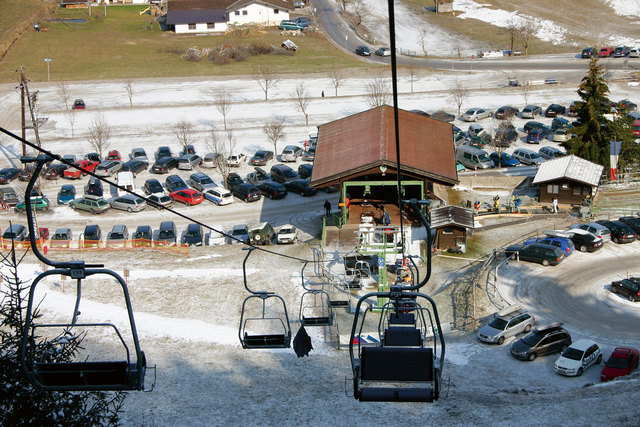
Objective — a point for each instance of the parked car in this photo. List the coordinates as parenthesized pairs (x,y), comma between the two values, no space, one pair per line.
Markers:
(535,136)
(93,205)
(475,114)
(562,135)
(209,160)
(443,116)
(129,203)
(258,176)
(164,165)
(61,238)
(621,51)
(201,181)
(261,234)
(193,235)
(563,243)
(536,252)
(505,135)
(582,239)
(290,25)
(282,173)
(530,111)
(246,192)
(8,174)
(139,154)
(503,160)
(541,341)
(80,169)
(272,189)
(94,188)
(234,160)
(113,155)
(506,112)
(189,149)
(38,203)
(163,151)
(233,179)
(25,173)
(621,363)
(363,51)
(188,196)
(606,51)
(66,194)
(159,200)
(239,234)
(174,183)
(634,52)
(287,234)
(78,104)
(301,187)
(189,161)
(620,232)
(576,358)
(573,108)
(108,168)
(261,158)
(506,323)
(475,130)
(309,154)
(531,125)
(629,288)
(167,234)
(303,20)
(53,171)
(134,166)
(218,195)
(527,157)
(555,110)
(383,51)
(559,123)
(291,153)
(152,186)
(92,235)
(473,157)
(549,152)
(304,170)
(118,236)
(596,229)
(588,52)
(15,232)
(94,157)
(633,222)
(143,236)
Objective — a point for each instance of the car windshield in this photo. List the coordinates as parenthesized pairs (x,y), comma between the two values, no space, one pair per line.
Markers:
(165,234)
(117,236)
(286,231)
(239,232)
(206,180)
(483,157)
(289,173)
(102,203)
(507,156)
(193,233)
(499,324)
(66,192)
(616,362)
(470,112)
(531,339)
(59,236)
(573,354)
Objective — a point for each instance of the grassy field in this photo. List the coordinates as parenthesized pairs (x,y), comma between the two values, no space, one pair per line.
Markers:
(125,44)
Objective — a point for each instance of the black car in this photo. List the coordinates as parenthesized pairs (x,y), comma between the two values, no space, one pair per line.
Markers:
(588,52)
(134,166)
(167,234)
(163,151)
(620,232)
(143,232)
(628,287)
(554,110)
(363,51)
(261,158)
(585,241)
(55,171)
(505,135)
(506,112)
(283,173)
(536,252)
(301,187)
(152,186)
(233,180)
(625,105)
(272,189)
(175,183)
(443,116)
(246,192)
(94,188)
(633,222)
(94,157)
(621,51)
(530,125)
(304,170)
(92,235)
(541,341)
(258,176)
(164,165)
(193,235)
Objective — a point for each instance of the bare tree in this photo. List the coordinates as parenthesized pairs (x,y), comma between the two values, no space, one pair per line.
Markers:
(513,30)
(412,74)
(184,131)
(422,36)
(63,94)
(99,134)
(222,101)
(336,75)
(525,33)
(71,118)
(128,86)
(266,78)
(525,88)
(360,11)
(378,91)
(300,97)
(458,94)
(503,135)
(231,141)
(217,146)
(274,129)
(345,4)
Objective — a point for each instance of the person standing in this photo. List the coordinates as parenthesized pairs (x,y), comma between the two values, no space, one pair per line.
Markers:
(327,208)
(323,94)
(554,205)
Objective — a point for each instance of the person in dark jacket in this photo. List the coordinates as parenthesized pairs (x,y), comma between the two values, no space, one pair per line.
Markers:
(302,343)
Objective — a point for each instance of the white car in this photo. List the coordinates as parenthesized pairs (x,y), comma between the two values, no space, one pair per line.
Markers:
(287,234)
(235,160)
(209,160)
(577,357)
(634,53)
(218,195)
(475,114)
(216,237)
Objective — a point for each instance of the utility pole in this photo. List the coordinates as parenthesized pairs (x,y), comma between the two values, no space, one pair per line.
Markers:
(24,94)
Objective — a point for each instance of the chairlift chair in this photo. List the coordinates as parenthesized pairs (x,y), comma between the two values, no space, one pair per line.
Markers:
(263,330)
(315,306)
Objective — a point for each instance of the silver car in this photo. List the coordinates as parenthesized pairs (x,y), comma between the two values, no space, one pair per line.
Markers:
(506,323)
(108,168)
(118,236)
(129,203)
(475,114)
(528,157)
(239,232)
(594,228)
(530,111)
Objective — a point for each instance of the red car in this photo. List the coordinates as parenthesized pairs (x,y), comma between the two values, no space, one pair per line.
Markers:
(606,51)
(187,196)
(114,155)
(73,173)
(622,362)
(78,104)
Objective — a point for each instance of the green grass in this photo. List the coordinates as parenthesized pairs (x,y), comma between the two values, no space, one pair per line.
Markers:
(125,44)
(13,13)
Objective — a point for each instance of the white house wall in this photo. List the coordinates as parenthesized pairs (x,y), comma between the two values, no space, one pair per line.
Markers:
(200,28)
(258,13)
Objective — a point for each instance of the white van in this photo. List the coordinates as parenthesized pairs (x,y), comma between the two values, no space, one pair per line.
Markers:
(125,179)
(472,157)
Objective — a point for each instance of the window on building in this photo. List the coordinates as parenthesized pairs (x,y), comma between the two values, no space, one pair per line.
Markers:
(576,191)
(244,12)
(565,186)
(237,13)
(276,11)
(553,189)
(192,26)
(211,25)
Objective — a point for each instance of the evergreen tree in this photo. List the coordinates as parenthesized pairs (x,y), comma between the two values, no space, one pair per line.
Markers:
(22,404)
(592,137)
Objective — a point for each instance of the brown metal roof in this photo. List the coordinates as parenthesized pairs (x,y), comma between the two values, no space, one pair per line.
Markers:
(364,140)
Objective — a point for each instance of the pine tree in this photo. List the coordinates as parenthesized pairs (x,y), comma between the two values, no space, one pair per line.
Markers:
(20,402)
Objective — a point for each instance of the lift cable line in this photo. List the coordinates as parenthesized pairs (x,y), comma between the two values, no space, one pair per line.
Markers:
(51,156)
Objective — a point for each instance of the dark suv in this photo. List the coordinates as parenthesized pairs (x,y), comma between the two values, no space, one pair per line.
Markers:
(537,252)
(620,232)
(164,165)
(283,173)
(272,189)
(92,235)
(167,233)
(142,236)
(543,340)
(193,235)
(246,192)
(261,158)
(628,287)
(175,183)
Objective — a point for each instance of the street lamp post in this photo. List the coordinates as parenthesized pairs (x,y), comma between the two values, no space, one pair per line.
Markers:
(48,60)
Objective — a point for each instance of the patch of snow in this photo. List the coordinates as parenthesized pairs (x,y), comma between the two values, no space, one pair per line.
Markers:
(624,7)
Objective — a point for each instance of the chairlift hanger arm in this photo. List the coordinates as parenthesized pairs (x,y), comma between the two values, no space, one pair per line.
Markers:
(416,204)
